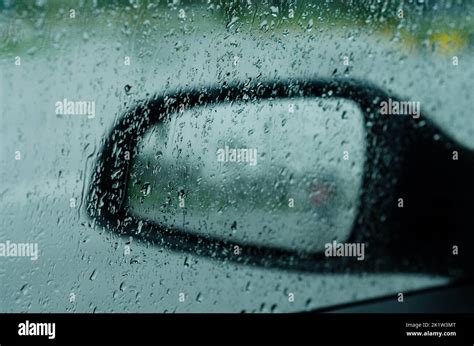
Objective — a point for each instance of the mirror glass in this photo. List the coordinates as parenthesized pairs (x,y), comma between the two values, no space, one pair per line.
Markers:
(281,173)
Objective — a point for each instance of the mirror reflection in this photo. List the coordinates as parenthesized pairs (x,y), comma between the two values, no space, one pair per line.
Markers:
(283,173)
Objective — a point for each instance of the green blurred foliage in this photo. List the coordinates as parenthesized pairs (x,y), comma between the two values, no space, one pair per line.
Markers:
(417,22)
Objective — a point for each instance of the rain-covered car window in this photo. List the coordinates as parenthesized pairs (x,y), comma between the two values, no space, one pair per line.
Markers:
(69,72)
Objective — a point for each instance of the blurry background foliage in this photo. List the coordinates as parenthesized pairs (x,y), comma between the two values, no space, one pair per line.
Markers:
(28,26)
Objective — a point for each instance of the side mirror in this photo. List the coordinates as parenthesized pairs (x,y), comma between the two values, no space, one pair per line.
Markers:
(283,175)
(274,173)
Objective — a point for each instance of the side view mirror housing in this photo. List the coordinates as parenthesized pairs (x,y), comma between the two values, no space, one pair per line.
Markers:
(412,209)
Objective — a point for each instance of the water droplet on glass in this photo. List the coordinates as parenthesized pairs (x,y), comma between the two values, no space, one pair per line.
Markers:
(93,275)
